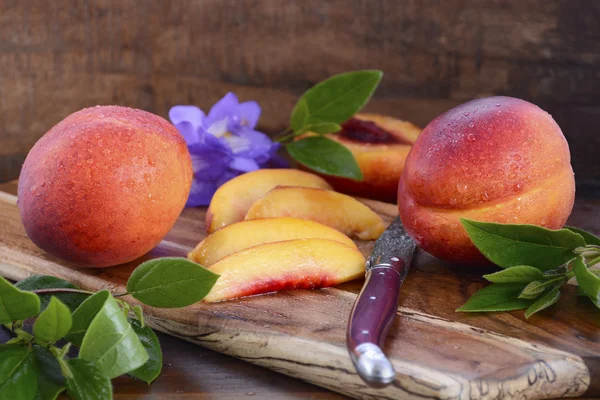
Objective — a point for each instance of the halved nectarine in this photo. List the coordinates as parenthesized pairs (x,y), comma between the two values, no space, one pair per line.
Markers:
(245,234)
(233,199)
(380,145)
(333,209)
(291,264)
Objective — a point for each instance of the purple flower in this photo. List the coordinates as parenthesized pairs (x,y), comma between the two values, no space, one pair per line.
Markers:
(223,144)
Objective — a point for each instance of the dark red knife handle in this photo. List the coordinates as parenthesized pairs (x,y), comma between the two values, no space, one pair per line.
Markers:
(371,319)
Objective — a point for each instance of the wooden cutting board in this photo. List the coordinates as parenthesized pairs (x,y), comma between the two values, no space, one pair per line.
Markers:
(437,353)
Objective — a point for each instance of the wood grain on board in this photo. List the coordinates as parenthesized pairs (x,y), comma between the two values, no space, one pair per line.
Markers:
(60,56)
(437,352)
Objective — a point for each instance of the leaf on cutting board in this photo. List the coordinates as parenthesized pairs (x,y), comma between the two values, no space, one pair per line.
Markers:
(170,282)
(508,245)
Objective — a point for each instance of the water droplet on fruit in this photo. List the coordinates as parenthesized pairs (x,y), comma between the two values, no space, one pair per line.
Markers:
(485,196)
(517,157)
(453,201)
(33,189)
(150,195)
(471,125)
(512,175)
(462,187)
(513,167)
(90,161)
(497,104)
(72,137)
(518,187)
(467,114)
(471,137)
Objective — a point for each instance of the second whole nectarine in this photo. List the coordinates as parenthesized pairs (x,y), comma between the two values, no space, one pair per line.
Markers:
(104,185)
(496,159)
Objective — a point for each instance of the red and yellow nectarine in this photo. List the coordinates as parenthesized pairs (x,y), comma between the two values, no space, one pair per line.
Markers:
(104,185)
(496,159)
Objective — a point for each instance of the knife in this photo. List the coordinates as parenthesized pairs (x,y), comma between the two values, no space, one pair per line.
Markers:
(377,304)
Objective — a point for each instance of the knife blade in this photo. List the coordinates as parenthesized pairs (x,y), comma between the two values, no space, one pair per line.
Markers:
(377,304)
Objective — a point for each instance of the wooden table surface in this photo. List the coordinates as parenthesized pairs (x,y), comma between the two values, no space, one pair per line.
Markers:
(191,371)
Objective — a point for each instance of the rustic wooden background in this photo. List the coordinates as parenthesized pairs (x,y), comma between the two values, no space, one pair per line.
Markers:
(59,56)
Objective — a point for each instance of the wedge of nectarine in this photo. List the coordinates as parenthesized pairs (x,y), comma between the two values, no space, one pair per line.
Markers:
(233,199)
(380,145)
(333,209)
(291,264)
(245,234)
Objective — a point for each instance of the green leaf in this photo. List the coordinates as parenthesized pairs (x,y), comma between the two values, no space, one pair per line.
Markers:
(54,322)
(509,245)
(545,301)
(588,281)
(16,304)
(170,282)
(516,274)
(497,297)
(88,382)
(84,315)
(335,99)
(535,288)
(50,379)
(111,343)
(325,156)
(35,282)
(18,378)
(588,237)
(323,128)
(151,369)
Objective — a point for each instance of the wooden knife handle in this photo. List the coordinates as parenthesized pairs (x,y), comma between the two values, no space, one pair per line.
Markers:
(371,319)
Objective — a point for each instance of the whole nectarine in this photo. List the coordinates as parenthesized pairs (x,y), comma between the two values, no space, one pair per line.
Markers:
(104,185)
(496,159)
(380,145)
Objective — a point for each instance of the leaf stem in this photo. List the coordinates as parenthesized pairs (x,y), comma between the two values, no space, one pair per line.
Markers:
(60,290)
(120,294)
(593,262)
(286,137)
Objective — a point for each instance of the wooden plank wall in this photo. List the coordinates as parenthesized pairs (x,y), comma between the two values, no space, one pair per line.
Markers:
(62,55)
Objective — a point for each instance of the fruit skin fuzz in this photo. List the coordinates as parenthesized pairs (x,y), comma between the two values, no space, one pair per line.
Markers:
(497,159)
(104,186)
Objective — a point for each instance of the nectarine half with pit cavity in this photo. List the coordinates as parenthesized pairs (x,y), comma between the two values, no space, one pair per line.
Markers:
(380,145)
(241,235)
(104,186)
(327,207)
(291,264)
(233,199)
(496,159)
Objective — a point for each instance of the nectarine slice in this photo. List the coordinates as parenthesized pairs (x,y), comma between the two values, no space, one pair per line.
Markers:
(291,264)
(245,234)
(333,209)
(233,199)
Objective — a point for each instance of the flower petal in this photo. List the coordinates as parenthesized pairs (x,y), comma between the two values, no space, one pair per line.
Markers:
(243,164)
(188,131)
(219,128)
(226,107)
(259,144)
(201,193)
(191,114)
(249,112)
(209,159)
